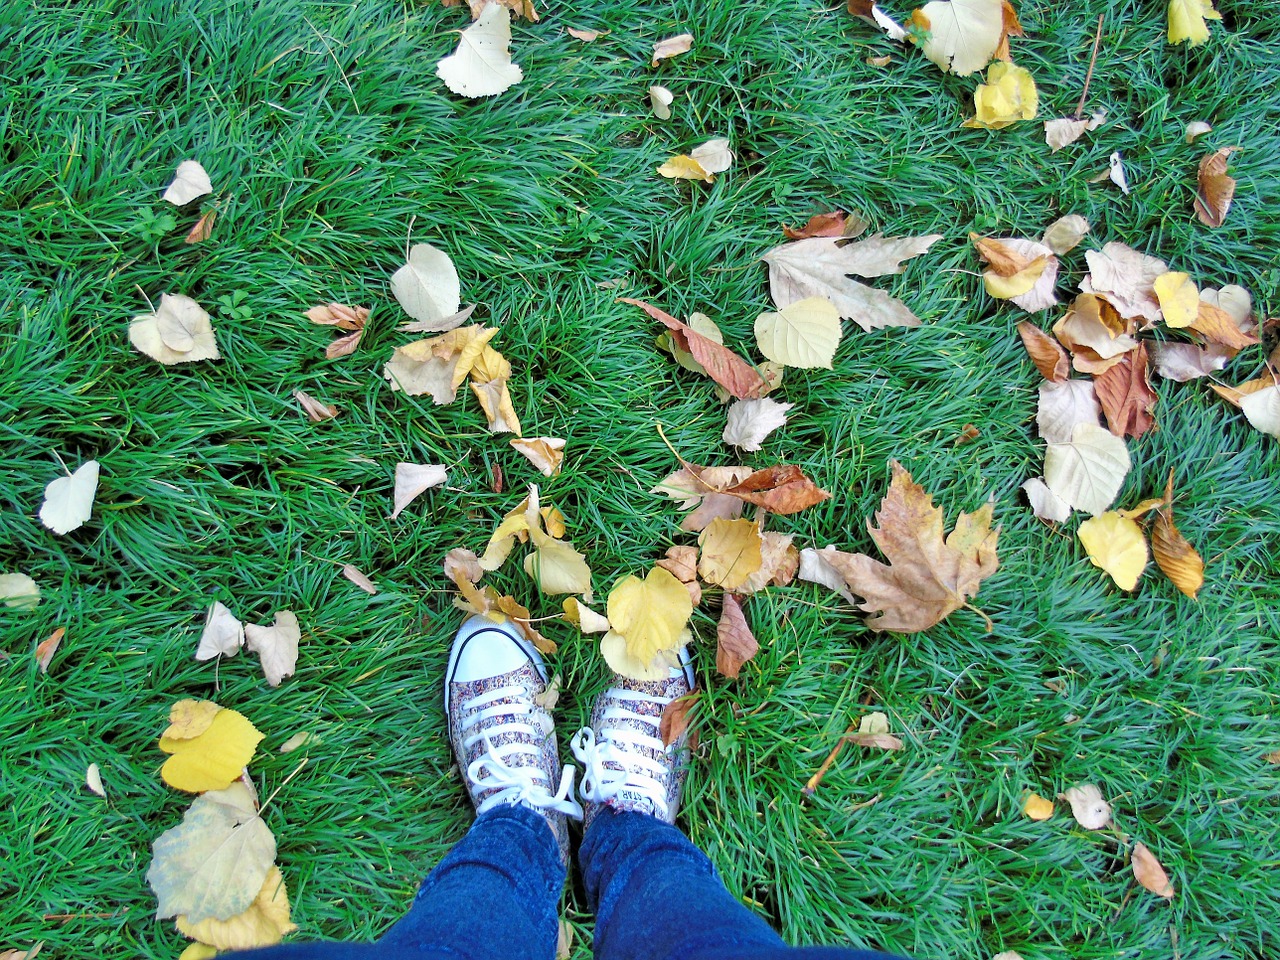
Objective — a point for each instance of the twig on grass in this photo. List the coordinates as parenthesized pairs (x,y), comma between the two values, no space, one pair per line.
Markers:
(1088,77)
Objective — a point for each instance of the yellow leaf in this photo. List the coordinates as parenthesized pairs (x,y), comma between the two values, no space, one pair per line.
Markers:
(583,617)
(213,760)
(617,654)
(731,550)
(198,951)
(490,365)
(1037,807)
(263,924)
(1006,288)
(545,453)
(648,616)
(803,334)
(514,526)
(495,401)
(1115,544)
(1176,557)
(557,567)
(190,718)
(682,167)
(1179,298)
(1009,95)
(1187,20)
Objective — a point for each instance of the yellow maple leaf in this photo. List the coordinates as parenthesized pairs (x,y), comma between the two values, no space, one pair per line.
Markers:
(1187,21)
(263,924)
(649,618)
(1116,544)
(214,759)
(1009,95)
(1037,807)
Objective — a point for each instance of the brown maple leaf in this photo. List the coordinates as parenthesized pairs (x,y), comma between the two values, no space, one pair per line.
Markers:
(1125,393)
(927,578)
(722,365)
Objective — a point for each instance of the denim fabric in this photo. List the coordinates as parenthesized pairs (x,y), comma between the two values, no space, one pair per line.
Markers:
(495,896)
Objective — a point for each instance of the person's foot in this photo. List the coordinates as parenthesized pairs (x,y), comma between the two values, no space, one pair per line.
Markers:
(626,765)
(504,741)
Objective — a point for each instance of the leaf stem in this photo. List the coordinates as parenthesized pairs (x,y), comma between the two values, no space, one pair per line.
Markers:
(1088,77)
(296,770)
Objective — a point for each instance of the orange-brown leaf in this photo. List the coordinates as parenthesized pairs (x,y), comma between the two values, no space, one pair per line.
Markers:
(722,365)
(1215,324)
(837,223)
(1216,189)
(735,643)
(48,647)
(1045,352)
(1125,393)
(675,717)
(1149,873)
(202,228)
(1010,28)
(1234,394)
(1003,259)
(1176,557)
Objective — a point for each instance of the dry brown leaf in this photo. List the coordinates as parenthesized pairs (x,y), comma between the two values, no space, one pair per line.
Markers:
(837,223)
(519,615)
(722,365)
(1060,133)
(1233,395)
(414,479)
(1125,393)
(1218,326)
(1045,352)
(778,563)
(545,453)
(684,167)
(586,36)
(202,229)
(671,47)
(735,643)
(1065,233)
(313,408)
(1215,188)
(351,319)
(675,717)
(882,61)
(435,326)
(1148,872)
(660,100)
(927,577)
(1095,333)
(681,561)
(1004,262)
(495,401)
(781,489)
(583,617)
(359,579)
(1010,27)
(48,647)
(1127,279)
(1176,557)
(729,552)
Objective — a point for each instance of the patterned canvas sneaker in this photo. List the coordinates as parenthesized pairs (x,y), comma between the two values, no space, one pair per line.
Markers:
(625,765)
(505,743)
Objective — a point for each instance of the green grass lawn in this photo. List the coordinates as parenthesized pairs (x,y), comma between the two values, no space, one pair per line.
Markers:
(328,139)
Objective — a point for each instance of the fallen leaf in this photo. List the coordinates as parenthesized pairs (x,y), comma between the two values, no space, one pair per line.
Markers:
(778,563)
(1023,271)
(735,643)
(481,66)
(358,578)
(190,182)
(722,365)
(968,433)
(729,552)
(882,61)
(93,780)
(1094,333)
(963,35)
(198,951)
(1235,301)
(518,8)
(873,731)
(649,618)
(1147,869)
(1009,95)
(557,567)
(820,267)
(545,453)
(178,332)
(872,13)
(1262,410)
(190,718)
(1175,557)
(1126,395)
(837,223)
(438,365)
(1046,504)
(495,401)
(681,561)
(803,334)
(1087,806)
(214,863)
(671,47)
(751,421)
(351,319)
(700,495)
(20,954)
(1196,128)
(47,647)
(1116,544)
(19,591)
(684,167)
(927,578)
(1060,133)
(1178,298)
(1215,188)
(1218,326)
(675,719)
(1010,27)
(660,100)
(446,323)
(519,615)
(413,479)
(583,617)
(1036,807)
(1127,279)
(782,489)
(1087,471)
(1065,233)
(1045,352)
(313,408)
(1187,21)
(263,924)
(586,36)
(1181,362)
(1062,406)
(276,645)
(212,759)
(714,156)
(302,738)
(1007,955)
(427,288)
(202,229)
(1115,172)
(223,634)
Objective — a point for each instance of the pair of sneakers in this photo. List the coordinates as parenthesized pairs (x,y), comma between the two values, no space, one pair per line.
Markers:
(505,740)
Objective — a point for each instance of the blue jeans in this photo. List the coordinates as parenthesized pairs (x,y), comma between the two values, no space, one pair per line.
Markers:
(496,895)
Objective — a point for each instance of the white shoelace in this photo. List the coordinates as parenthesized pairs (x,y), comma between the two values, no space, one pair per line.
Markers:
(492,770)
(608,762)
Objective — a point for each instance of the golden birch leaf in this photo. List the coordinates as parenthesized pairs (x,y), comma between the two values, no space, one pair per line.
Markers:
(276,645)
(684,167)
(1179,299)
(620,658)
(1036,807)
(1009,95)
(730,551)
(1175,557)
(583,617)
(1148,872)
(495,401)
(714,156)
(213,759)
(803,334)
(1187,21)
(1087,806)
(68,501)
(1115,544)
(481,66)
(262,924)
(1006,288)
(213,864)
(963,34)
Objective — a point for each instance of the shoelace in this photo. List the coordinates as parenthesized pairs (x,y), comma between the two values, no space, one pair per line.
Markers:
(492,770)
(608,762)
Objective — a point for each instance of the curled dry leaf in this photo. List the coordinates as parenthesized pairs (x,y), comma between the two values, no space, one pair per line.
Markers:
(545,453)
(873,731)
(782,489)
(190,182)
(1065,233)
(1262,408)
(313,408)
(671,47)
(699,494)
(714,156)
(495,401)
(1036,807)
(1060,133)
(351,319)
(660,100)
(445,323)
(1045,352)
(837,223)
(550,694)
(1196,128)
(93,780)
(202,229)
(413,479)
(1215,188)
(675,717)
(359,579)
(1094,333)
(684,167)
(1126,278)
(1115,172)
(586,36)
(1148,872)
(583,617)
(1218,326)
(735,643)
(1116,544)
(1176,557)
(1126,395)
(1181,362)
(1087,471)
(438,365)
(178,332)
(778,563)
(722,365)
(1046,504)
(302,738)
(19,591)
(276,645)
(481,66)
(47,647)
(223,634)
(1087,806)
(872,13)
